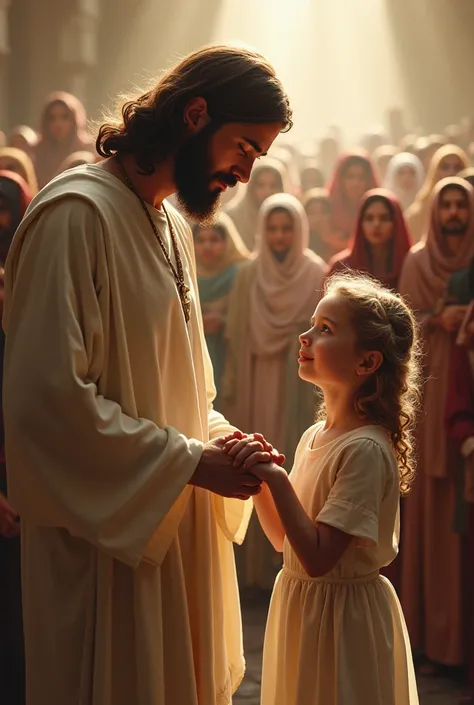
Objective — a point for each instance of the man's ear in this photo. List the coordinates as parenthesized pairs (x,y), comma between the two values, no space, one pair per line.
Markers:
(370,363)
(196,115)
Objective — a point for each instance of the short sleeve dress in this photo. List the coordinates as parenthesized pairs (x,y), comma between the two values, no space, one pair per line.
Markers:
(341,639)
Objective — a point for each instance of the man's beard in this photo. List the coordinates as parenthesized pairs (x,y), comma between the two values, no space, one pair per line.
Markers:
(193,177)
(454,228)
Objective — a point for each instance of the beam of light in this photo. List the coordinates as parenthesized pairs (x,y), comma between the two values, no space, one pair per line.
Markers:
(335,58)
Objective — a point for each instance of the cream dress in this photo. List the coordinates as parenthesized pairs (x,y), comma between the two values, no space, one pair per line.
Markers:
(341,639)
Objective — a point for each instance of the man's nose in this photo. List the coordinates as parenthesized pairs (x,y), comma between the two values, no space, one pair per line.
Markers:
(242,173)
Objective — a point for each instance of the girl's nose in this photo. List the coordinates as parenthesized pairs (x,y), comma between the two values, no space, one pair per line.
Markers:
(305,339)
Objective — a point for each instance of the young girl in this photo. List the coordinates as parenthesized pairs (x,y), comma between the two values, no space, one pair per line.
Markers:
(336,633)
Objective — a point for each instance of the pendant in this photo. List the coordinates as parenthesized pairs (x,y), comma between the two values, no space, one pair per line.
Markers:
(185,296)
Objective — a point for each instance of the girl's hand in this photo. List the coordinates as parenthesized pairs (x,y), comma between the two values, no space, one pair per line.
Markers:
(268,472)
(246,452)
(276,457)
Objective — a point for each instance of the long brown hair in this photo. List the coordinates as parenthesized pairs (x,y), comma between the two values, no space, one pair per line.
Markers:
(390,396)
(238,85)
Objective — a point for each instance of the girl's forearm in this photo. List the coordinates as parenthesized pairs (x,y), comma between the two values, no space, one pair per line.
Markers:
(269,518)
(318,547)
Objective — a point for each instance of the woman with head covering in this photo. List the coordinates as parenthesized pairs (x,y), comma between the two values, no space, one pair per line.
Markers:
(382,157)
(63,131)
(24,138)
(12,159)
(432,557)
(468,175)
(381,241)
(273,298)
(354,175)
(324,239)
(266,179)
(219,252)
(77,159)
(404,178)
(14,199)
(448,161)
(311,176)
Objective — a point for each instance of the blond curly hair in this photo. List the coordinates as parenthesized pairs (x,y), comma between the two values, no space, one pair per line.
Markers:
(390,396)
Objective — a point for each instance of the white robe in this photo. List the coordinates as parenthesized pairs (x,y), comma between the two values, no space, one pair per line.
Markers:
(130,592)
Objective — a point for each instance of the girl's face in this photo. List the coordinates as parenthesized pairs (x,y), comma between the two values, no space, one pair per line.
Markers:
(209,246)
(405,178)
(60,122)
(319,218)
(354,182)
(377,223)
(265,185)
(328,354)
(279,231)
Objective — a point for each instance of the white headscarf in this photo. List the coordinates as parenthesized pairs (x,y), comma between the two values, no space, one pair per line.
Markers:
(284,294)
(398,162)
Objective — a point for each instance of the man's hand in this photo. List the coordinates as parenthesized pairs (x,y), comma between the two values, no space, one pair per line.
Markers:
(9,526)
(216,472)
(451,318)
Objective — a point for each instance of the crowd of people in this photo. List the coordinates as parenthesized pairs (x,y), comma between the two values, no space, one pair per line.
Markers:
(398,207)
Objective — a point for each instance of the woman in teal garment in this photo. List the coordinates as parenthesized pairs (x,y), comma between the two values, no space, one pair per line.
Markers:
(219,252)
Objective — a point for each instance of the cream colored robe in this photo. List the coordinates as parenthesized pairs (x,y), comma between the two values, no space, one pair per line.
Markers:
(130,591)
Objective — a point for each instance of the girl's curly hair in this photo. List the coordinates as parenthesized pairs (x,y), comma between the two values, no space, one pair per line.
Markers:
(390,396)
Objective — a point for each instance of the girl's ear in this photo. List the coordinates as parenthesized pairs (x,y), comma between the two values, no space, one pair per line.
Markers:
(370,363)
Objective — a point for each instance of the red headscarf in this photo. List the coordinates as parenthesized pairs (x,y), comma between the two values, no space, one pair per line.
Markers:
(356,255)
(343,212)
(15,196)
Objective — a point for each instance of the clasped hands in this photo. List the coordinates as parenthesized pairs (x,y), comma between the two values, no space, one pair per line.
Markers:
(236,465)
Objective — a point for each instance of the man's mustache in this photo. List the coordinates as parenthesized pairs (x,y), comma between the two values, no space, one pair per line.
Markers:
(228,179)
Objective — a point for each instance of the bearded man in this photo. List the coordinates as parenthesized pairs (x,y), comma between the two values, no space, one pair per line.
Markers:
(128,502)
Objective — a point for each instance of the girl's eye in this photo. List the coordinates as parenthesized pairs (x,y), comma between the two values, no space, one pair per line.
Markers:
(325,329)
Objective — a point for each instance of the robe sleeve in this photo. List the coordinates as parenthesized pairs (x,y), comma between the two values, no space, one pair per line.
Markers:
(233,515)
(353,503)
(76,461)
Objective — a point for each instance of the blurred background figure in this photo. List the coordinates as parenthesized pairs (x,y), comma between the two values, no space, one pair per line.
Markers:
(16,160)
(77,159)
(267,178)
(405,176)
(382,157)
(15,197)
(447,161)
(352,177)
(219,253)
(381,240)
(324,239)
(63,132)
(273,298)
(311,176)
(24,138)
